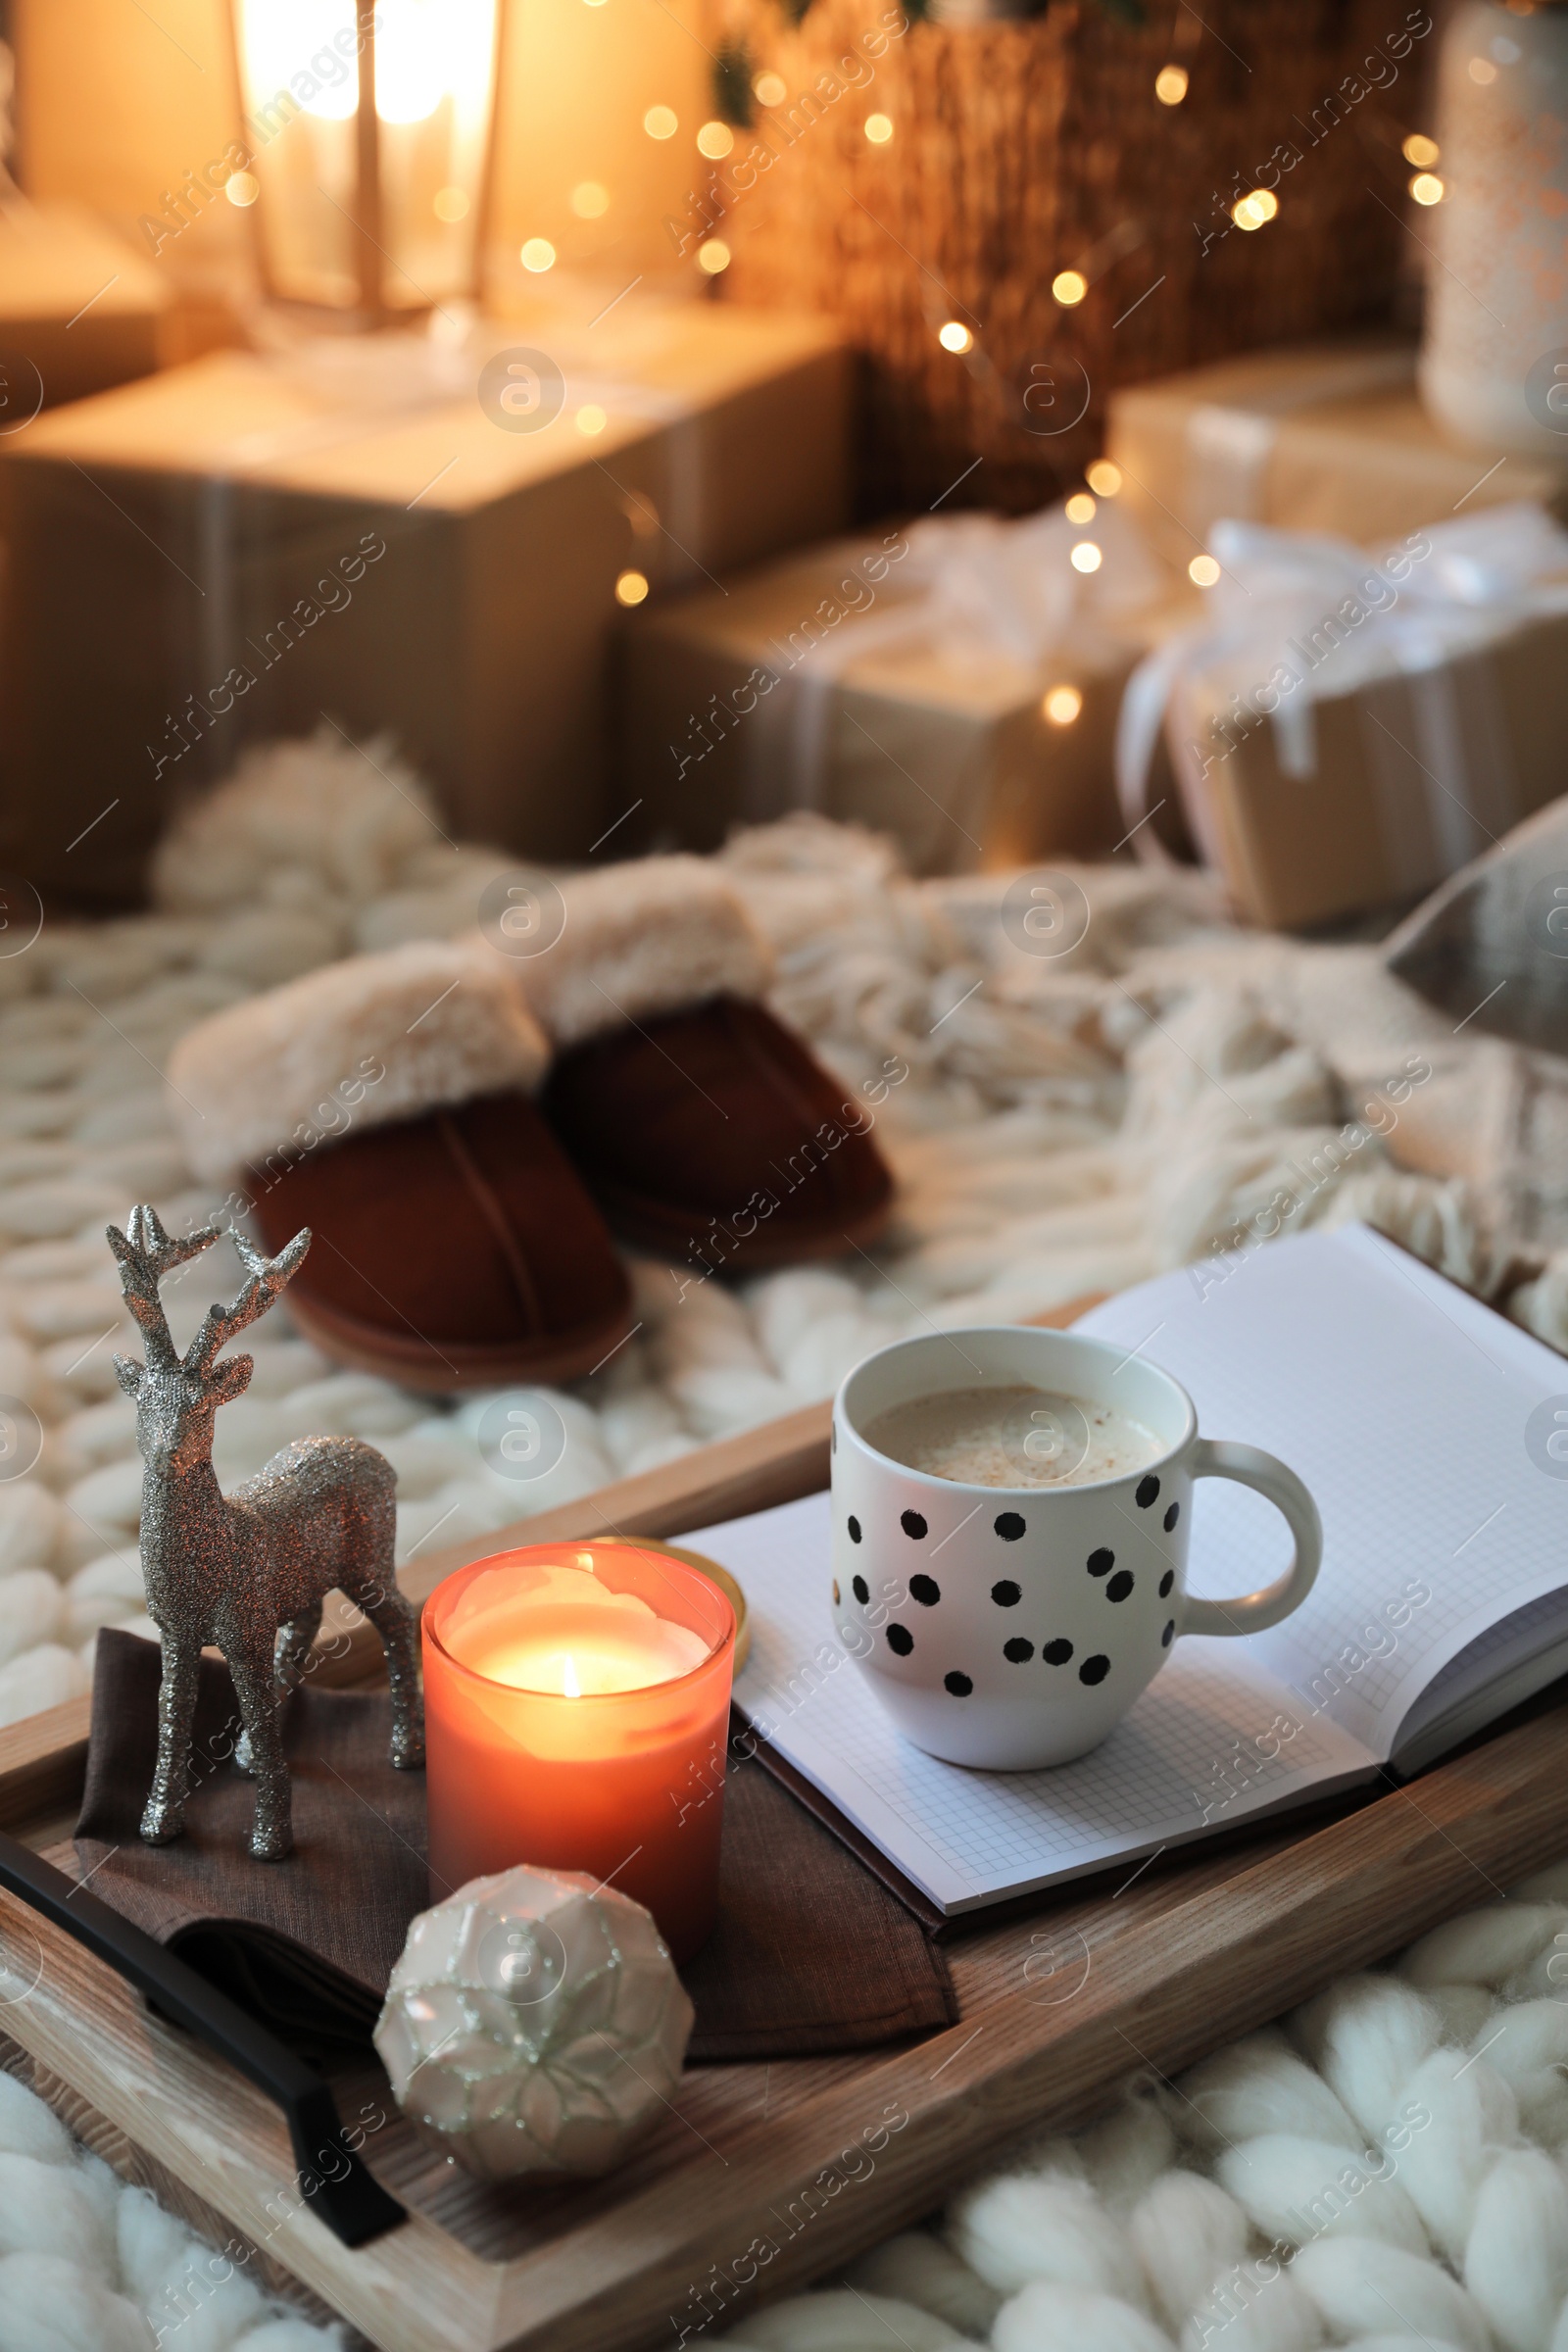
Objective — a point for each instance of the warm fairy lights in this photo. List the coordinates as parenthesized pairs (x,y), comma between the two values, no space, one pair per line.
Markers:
(715,139)
(1069,286)
(955,337)
(713,256)
(1427,188)
(538,255)
(1202,571)
(1170,85)
(1080,508)
(590,200)
(1421,151)
(879,130)
(631,588)
(1087,557)
(660,123)
(1061,705)
(1252,210)
(590,420)
(1104,478)
(770,88)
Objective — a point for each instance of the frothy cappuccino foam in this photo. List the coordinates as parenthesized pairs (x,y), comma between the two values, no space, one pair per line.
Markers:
(1012,1437)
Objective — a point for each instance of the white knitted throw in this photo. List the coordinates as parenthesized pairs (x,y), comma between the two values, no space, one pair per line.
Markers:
(1066,1123)
(90,2265)
(1386,2168)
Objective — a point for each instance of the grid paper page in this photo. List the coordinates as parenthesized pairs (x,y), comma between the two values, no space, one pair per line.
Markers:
(1534,1636)
(1197,1750)
(1402,1403)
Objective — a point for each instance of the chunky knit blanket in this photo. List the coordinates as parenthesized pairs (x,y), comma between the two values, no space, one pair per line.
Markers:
(1071,1106)
(1386,2168)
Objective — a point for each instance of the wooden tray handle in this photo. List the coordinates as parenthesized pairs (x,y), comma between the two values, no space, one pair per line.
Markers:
(347,2196)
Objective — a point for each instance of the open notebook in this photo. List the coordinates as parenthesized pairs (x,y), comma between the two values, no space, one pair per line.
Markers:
(1443,1599)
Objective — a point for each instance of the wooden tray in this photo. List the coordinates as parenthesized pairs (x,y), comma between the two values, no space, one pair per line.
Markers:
(760,2177)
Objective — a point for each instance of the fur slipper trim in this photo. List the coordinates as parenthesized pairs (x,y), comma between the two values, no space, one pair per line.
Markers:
(649,937)
(354,1045)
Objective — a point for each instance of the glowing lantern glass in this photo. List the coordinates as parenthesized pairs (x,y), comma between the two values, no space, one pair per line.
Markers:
(369,129)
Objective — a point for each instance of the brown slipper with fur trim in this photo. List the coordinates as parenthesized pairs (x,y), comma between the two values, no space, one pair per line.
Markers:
(705,1129)
(712,1137)
(468,1255)
(387,1103)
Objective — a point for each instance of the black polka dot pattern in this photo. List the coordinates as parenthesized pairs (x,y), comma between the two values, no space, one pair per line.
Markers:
(1009,1525)
(927,1591)
(1147,1491)
(912,1525)
(1120,1584)
(855,1529)
(1165,1584)
(959,1684)
(899,1641)
(1095,1669)
(1165,1637)
(1006,1594)
(1018,1651)
(861,1589)
(1101,1562)
(1171,1516)
(1056,1653)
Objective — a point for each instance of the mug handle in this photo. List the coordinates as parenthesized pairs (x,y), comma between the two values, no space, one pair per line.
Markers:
(1251,1467)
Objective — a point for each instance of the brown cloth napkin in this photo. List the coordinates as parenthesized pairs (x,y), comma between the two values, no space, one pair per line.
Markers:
(811,1952)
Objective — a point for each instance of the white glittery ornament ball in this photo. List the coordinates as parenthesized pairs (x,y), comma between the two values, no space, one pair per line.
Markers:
(534,2024)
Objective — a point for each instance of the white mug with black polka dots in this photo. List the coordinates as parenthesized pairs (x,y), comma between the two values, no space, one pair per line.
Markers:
(1010,1626)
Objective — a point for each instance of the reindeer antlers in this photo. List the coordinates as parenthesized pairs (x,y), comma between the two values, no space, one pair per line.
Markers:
(146,1253)
(268,1276)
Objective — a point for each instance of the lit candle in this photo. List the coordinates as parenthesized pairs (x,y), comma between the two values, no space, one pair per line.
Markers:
(577,1707)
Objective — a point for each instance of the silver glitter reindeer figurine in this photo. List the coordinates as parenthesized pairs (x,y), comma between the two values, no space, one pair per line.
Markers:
(248,1571)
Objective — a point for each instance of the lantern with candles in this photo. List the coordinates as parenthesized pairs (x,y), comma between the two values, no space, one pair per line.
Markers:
(577,1709)
(375,206)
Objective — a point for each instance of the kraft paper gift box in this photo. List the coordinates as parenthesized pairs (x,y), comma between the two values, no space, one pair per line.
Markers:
(954,684)
(1348,730)
(1322,438)
(79,309)
(234,550)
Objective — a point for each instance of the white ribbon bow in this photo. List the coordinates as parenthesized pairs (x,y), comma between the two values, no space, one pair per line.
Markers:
(1295,616)
(984,589)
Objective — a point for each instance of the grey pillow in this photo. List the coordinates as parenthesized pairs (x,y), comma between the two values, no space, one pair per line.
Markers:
(1491,944)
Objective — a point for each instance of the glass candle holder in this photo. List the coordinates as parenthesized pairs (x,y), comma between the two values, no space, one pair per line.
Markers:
(576,1700)
(367,142)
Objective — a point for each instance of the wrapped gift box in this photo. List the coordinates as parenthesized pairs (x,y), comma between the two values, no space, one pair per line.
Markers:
(1346,731)
(79,309)
(235,549)
(954,684)
(1327,438)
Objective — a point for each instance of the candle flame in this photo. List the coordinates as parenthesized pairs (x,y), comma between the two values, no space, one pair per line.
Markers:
(568,1678)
